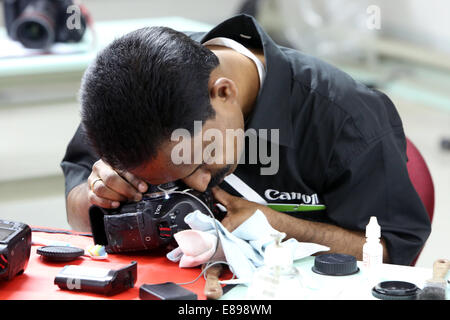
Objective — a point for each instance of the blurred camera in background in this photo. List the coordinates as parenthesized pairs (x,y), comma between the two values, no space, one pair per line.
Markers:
(37,24)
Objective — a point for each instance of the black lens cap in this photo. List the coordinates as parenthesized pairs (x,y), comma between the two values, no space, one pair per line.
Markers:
(335,264)
(395,290)
(60,253)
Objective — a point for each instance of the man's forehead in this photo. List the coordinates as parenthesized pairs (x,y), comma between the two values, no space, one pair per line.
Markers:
(153,170)
(161,169)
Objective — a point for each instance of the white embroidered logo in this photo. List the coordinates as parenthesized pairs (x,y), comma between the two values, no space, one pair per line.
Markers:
(272,194)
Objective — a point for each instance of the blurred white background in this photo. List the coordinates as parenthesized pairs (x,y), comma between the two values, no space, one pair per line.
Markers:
(408,57)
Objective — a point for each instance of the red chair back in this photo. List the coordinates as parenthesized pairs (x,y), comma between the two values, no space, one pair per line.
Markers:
(421,179)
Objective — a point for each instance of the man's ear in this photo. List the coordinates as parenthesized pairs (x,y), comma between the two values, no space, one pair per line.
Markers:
(223,89)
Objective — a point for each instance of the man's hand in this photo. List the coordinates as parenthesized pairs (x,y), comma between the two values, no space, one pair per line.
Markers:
(238,209)
(339,240)
(107,187)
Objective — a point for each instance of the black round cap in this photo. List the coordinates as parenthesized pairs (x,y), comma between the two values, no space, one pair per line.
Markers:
(60,253)
(335,264)
(395,290)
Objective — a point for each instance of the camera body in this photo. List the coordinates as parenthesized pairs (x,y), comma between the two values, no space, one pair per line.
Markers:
(15,247)
(150,223)
(37,24)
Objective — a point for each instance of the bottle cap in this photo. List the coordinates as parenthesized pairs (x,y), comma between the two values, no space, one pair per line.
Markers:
(395,290)
(60,253)
(335,264)
(373,229)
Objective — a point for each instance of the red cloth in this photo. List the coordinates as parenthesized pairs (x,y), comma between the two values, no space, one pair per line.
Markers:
(37,282)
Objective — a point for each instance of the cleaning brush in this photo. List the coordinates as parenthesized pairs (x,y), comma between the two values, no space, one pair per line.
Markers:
(435,288)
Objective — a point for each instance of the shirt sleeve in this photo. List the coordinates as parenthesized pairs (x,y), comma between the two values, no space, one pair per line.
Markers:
(78,160)
(370,178)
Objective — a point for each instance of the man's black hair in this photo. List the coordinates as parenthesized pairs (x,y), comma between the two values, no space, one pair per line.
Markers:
(139,89)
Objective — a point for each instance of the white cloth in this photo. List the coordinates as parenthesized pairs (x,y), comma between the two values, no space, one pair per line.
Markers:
(244,248)
(230,43)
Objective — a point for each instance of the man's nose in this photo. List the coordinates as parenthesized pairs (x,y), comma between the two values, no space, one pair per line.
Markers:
(199,180)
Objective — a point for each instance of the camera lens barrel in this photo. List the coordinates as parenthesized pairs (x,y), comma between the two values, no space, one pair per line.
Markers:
(38,24)
(35,27)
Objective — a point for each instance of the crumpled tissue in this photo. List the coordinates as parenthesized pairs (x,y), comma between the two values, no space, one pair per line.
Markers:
(243,249)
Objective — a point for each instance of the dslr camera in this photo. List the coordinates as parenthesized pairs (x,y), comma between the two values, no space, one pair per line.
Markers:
(15,248)
(37,24)
(150,223)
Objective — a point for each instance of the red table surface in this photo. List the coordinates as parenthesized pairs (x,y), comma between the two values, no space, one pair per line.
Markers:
(37,282)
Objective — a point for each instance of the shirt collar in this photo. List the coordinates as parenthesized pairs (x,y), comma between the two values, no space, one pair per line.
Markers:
(272,109)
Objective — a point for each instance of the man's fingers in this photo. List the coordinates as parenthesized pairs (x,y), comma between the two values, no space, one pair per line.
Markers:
(222,196)
(99,188)
(102,202)
(107,188)
(228,223)
(137,183)
(113,181)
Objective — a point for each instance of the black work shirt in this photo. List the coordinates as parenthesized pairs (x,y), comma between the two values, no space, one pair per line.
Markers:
(341,145)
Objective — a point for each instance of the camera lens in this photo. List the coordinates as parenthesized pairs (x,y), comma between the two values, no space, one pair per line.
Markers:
(35,26)
(33,34)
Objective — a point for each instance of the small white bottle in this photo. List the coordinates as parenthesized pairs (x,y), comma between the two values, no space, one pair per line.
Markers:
(278,278)
(372,249)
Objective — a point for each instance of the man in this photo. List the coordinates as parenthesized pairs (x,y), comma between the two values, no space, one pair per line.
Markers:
(339,145)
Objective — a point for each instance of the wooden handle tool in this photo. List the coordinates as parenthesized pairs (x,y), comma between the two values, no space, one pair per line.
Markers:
(440,269)
(435,288)
(213,289)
